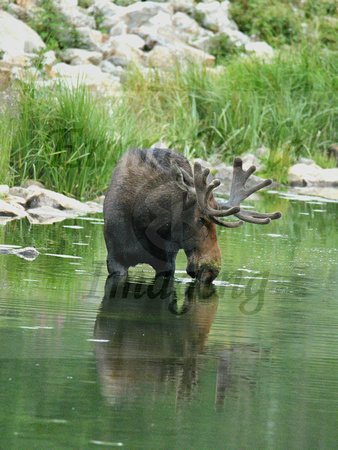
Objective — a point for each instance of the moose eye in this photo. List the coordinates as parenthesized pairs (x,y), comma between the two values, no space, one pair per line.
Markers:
(201,222)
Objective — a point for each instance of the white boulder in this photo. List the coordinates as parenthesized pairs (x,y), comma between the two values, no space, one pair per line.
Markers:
(108,11)
(45,197)
(93,38)
(187,25)
(186,6)
(7,210)
(166,57)
(311,174)
(17,39)
(250,160)
(128,46)
(77,56)
(77,16)
(216,16)
(141,13)
(259,48)
(91,76)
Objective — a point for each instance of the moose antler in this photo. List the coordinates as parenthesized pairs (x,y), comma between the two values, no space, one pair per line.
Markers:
(239,192)
(203,192)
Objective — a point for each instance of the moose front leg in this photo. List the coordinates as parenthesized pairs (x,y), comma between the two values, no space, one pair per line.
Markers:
(115,268)
(166,268)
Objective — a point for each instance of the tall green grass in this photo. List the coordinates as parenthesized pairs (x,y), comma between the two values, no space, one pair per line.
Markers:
(289,105)
(66,138)
(70,140)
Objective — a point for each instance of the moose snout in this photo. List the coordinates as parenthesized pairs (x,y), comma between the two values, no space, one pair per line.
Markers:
(204,273)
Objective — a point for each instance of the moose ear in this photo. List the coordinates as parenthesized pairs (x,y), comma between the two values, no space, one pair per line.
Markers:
(181,177)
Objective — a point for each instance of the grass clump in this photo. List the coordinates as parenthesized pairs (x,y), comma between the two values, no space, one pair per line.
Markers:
(65,138)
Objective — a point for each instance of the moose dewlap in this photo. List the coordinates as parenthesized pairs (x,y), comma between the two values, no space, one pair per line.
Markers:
(156,205)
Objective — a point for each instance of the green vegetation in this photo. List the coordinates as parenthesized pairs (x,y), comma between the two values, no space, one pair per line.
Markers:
(70,140)
(278,22)
(288,105)
(65,138)
(54,29)
(222,48)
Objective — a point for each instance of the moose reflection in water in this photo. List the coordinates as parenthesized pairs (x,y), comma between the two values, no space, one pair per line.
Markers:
(150,340)
(144,339)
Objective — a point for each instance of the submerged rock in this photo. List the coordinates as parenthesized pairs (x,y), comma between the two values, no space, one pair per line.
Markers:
(42,206)
(8,210)
(28,253)
(45,197)
(48,215)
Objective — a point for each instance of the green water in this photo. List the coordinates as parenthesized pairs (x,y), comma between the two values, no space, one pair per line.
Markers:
(248,363)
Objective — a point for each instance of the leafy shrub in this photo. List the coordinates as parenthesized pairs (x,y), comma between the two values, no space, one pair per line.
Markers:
(280,22)
(52,26)
(272,20)
(222,47)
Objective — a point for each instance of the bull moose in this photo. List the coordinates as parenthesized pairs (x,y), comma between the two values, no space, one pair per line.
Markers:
(156,205)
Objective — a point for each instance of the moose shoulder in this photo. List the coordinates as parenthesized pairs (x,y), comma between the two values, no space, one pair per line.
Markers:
(156,205)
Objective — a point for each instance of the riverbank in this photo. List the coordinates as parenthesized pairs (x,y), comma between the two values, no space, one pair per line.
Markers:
(279,108)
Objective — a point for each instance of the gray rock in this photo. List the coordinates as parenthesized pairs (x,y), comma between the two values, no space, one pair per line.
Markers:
(186,6)
(45,197)
(330,193)
(250,160)
(119,29)
(165,57)
(48,215)
(141,13)
(119,61)
(108,67)
(28,253)
(7,210)
(108,10)
(90,75)
(77,56)
(77,16)
(216,16)
(28,183)
(204,164)
(187,25)
(95,207)
(126,46)
(94,39)
(224,174)
(19,12)
(19,192)
(312,174)
(259,48)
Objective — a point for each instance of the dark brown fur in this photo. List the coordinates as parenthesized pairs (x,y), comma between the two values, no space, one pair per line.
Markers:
(149,217)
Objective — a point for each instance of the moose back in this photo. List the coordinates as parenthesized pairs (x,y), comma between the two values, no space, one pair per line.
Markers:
(157,204)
